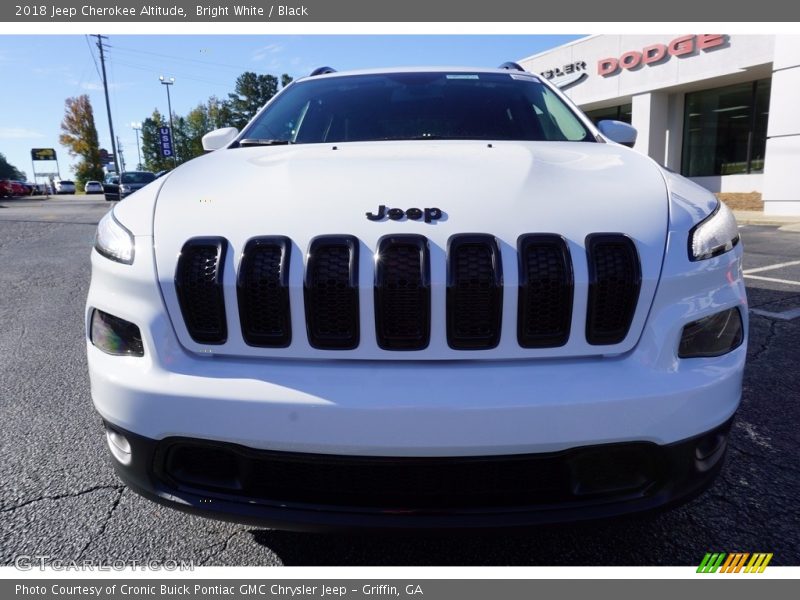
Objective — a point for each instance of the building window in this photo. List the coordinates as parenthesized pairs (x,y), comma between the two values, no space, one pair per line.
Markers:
(614,113)
(725,130)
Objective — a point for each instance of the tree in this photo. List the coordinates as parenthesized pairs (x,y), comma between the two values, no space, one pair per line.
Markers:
(151,144)
(182,139)
(80,137)
(286,79)
(219,113)
(252,92)
(9,171)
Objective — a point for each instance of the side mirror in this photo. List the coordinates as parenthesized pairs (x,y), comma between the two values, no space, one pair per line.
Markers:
(219,138)
(619,132)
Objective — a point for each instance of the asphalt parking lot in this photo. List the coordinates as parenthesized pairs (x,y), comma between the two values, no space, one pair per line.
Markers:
(60,498)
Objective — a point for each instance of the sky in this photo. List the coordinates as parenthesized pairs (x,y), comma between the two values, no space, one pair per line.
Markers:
(41,72)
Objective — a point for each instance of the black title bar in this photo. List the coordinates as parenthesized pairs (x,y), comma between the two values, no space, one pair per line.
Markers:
(316,11)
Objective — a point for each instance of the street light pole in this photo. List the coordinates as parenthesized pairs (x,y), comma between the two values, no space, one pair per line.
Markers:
(169,82)
(137,127)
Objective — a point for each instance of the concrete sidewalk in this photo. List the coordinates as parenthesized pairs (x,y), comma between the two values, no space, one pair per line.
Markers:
(757,217)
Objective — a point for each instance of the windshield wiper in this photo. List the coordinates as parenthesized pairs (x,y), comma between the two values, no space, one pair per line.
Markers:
(263,142)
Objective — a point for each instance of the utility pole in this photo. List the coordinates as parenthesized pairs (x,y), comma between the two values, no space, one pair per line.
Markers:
(100,39)
(137,127)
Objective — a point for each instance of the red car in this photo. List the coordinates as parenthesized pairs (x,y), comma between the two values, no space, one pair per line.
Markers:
(5,188)
(18,189)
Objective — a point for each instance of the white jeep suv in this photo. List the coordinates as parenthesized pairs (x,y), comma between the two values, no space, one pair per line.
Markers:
(434,298)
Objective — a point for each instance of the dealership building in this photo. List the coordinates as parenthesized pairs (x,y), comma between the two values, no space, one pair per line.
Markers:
(720,109)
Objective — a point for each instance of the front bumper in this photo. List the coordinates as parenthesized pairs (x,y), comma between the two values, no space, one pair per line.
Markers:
(324,492)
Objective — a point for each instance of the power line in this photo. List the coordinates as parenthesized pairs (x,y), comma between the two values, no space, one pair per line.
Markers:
(179,74)
(91,53)
(173,57)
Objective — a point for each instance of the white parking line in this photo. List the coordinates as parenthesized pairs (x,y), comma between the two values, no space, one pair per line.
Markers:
(786,315)
(773,279)
(771,267)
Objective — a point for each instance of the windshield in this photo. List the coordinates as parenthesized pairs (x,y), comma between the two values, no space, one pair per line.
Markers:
(409,106)
(137,177)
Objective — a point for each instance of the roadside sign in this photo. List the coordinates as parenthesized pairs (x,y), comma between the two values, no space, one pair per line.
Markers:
(43,154)
(165,141)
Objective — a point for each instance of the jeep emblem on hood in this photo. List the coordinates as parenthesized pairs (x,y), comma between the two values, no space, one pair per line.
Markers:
(415,214)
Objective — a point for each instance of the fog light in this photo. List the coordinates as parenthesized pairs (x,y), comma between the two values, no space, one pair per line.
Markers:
(119,446)
(115,336)
(712,336)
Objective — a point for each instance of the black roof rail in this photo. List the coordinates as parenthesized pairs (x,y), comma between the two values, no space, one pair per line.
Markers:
(511,66)
(322,71)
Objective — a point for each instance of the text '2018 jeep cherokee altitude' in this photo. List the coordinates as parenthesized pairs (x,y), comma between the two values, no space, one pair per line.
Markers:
(435,298)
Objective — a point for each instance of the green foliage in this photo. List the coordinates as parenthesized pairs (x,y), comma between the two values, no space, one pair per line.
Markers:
(252,92)
(79,135)
(9,171)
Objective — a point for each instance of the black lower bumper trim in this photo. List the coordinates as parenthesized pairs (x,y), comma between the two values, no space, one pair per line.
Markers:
(309,492)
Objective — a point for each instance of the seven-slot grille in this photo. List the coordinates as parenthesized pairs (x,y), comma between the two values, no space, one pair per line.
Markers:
(402,291)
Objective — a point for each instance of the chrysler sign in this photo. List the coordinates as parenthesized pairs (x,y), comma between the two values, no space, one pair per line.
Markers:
(566,75)
(686,45)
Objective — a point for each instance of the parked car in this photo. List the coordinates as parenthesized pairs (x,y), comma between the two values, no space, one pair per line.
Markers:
(19,189)
(117,188)
(5,188)
(414,298)
(64,186)
(34,187)
(93,187)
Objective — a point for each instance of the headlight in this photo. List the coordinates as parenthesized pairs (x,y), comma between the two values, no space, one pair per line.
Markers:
(718,233)
(113,241)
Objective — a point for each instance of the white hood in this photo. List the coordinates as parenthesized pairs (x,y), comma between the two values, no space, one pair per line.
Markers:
(501,188)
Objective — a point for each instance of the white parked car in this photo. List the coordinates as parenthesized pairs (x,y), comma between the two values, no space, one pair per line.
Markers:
(93,187)
(65,187)
(431,298)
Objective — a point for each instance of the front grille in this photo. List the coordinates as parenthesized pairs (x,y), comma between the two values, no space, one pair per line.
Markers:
(331,293)
(402,293)
(615,278)
(545,291)
(263,292)
(474,292)
(198,283)
(371,483)
(405,300)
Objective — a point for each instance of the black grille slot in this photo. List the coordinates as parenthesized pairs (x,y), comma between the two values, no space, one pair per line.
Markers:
(198,282)
(331,293)
(545,291)
(615,278)
(474,292)
(263,292)
(403,293)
